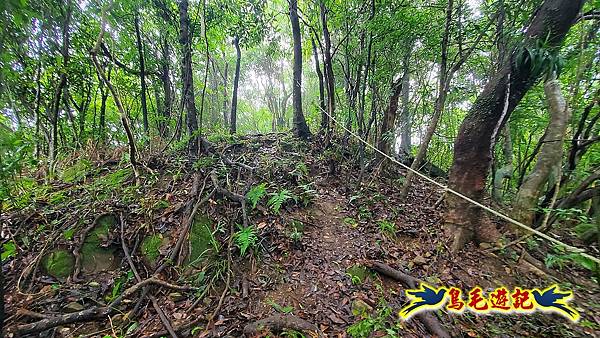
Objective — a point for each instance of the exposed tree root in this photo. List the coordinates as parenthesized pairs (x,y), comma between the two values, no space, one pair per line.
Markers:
(430,322)
(281,322)
(91,313)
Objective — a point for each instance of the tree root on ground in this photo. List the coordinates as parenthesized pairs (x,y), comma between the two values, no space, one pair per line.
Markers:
(431,323)
(91,313)
(281,322)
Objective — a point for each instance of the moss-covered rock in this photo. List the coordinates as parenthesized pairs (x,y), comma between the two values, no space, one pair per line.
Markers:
(200,239)
(95,255)
(59,263)
(358,273)
(151,247)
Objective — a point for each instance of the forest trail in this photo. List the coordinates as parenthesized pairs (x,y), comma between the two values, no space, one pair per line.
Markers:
(316,275)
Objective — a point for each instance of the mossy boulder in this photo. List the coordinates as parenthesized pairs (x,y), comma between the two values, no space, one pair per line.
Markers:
(59,263)
(96,255)
(358,273)
(151,247)
(200,239)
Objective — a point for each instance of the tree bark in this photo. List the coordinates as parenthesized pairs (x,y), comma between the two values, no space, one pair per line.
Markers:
(322,105)
(62,82)
(444,83)
(550,154)
(189,99)
(478,132)
(140,48)
(166,83)
(389,118)
(405,117)
(236,82)
(327,62)
(123,114)
(207,54)
(300,127)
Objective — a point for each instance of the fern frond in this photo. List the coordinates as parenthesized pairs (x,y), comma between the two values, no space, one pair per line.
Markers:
(256,194)
(278,199)
(245,238)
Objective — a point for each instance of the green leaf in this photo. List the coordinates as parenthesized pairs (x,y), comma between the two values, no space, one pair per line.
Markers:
(9,249)
(256,194)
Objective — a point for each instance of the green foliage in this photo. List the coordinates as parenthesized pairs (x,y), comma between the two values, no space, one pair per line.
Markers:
(387,228)
(351,222)
(279,199)
(379,322)
(307,194)
(201,239)
(204,162)
(279,308)
(245,238)
(539,58)
(296,231)
(119,285)
(76,172)
(9,249)
(256,193)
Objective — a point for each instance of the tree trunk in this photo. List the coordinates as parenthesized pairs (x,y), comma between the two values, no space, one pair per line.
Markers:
(322,105)
(236,82)
(477,135)
(389,118)
(207,54)
(300,127)
(444,83)
(506,171)
(140,48)
(405,118)
(188,80)
(165,77)
(62,82)
(123,114)
(327,62)
(550,153)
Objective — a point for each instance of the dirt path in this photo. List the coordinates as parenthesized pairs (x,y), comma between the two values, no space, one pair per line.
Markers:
(314,284)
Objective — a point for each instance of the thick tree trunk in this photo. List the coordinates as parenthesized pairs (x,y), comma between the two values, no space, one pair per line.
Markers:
(327,62)
(322,105)
(478,132)
(506,171)
(550,154)
(165,76)
(236,82)
(188,80)
(300,127)
(140,48)
(405,117)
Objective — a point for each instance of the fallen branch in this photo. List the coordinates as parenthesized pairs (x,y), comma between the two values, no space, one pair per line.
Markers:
(431,323)
(281,322)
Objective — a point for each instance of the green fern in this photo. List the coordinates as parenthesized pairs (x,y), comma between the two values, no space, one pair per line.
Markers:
(256,194)
(278,199)
(245,238)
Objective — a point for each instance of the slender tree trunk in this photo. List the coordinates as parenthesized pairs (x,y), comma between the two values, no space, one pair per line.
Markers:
(236,81)
(405,117)
(300,127)
(389,118)
(444,82)
(62,82)
(550,154)
(188,79)
(123,114)
(327,63)
(103,98)
(207,53)
(166,83)
(322,105)
(478,132)
(140,48)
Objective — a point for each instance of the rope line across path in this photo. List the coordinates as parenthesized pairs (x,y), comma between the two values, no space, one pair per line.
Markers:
(470,200)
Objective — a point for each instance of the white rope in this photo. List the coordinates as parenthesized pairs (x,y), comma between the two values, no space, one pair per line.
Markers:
(470,200)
